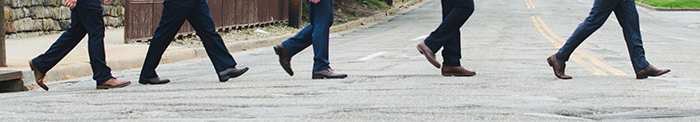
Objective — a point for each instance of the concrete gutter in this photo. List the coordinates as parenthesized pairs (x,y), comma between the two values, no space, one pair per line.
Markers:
(170,56)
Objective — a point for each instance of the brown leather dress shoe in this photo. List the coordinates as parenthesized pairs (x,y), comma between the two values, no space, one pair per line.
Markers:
(285,58)
(231,72)
(429,54)
(558,67)
(39,76)
(113,83)
(153,81)
(328,74)
(651,71)
(456,71)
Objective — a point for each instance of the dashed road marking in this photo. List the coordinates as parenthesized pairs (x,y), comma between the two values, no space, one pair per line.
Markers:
(371,56)
(420,38)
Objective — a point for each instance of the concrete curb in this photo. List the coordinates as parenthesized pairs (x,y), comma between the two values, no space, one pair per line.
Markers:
(170,56)
(666,9)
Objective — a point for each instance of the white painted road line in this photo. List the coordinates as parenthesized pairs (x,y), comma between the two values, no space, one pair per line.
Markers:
(420,38)
(371,56)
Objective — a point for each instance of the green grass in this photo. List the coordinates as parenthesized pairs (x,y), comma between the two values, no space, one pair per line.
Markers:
(375,2)
(672,3)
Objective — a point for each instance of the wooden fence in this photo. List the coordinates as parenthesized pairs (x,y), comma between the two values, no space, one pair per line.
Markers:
(142,16)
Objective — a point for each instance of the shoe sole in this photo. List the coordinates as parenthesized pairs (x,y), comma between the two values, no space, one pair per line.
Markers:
(118,86)
(39,82)
(288,70)
(434,63)
(225,78)
(323,77)
(457,75)
(146,83)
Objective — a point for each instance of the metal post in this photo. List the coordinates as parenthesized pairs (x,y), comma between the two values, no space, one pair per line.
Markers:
(3,57)
(295,13)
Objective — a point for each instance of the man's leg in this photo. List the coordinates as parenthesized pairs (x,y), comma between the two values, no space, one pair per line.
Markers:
(58,50)
(91,16)
(462,10)
(62,46)
(628,17)
(203,24)
(174,15)
(322,13)
(599,14)
(452,51)
(300,41)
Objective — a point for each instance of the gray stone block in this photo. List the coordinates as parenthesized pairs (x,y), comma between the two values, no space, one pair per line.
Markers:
(108,10)
(15,14)
(49,24)
(40,12)
(114,21)
(9,28)
(19,3)
(27,24)
(64,24)
(55,2)
(61,13)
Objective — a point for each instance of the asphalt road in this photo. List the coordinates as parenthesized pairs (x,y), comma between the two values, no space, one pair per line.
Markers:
(505,42)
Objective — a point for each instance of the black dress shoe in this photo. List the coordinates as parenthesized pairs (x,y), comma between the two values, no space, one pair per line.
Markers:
(231,72)
(285,58)
(153,81)
(327,74)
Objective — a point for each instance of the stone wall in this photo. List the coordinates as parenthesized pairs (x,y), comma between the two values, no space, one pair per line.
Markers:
(29,18)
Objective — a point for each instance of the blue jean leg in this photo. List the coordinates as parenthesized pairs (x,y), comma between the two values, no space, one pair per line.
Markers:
(316,33)
(599,14)
(628,17)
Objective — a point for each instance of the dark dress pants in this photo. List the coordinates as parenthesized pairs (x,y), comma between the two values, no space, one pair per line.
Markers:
(316,33)
(454,14)
(175,12)
(626,13)
(86,18)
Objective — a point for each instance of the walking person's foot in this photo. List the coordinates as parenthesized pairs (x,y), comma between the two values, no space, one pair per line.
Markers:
(113,83)
(328,74)
(39,77)
(231,72)
(153,81)
(651,71)
(285,58)
(430,55)
(456,71)
(558,67)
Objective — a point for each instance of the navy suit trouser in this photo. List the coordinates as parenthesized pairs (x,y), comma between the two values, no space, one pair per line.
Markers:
(454,14)
(86,18)
(316,33)
(628,17)
(175,12)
